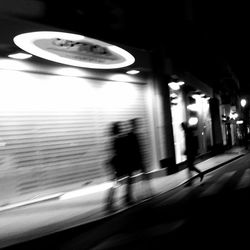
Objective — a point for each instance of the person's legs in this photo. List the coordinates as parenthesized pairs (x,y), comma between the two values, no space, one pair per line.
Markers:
(189,183)
(190,160)
(110,196)
(128,195)
(192,167)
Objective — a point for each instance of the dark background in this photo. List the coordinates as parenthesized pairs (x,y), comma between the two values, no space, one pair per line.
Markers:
(208,38)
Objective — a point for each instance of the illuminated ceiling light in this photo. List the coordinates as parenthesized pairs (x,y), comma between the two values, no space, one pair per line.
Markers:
(243,103)
(21,56)
(175,101)
(233,116)
(133,72)
(239,122)
(224,117)
(73,49)
(196,96)
(120,77)
(181,83)
(13,64)
(174,85)
(67,71)
(173,95)
(193,121)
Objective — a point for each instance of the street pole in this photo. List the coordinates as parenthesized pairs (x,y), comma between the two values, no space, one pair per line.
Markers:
(243,104)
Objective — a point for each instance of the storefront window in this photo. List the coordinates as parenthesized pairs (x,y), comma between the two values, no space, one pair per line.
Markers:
(178,116)
(199,116)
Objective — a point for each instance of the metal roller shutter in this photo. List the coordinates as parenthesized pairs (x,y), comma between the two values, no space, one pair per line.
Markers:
(54,130)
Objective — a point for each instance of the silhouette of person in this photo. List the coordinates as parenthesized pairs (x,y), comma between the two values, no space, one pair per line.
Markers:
(191,143)
(118,163)
(135,156)
(228,133)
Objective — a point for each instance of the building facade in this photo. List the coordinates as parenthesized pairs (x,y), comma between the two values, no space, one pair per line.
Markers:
(55,125)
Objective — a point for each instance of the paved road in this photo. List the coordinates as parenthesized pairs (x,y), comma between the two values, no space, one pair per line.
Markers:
(213,213)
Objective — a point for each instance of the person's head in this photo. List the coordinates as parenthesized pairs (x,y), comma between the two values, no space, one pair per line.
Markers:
(116,128)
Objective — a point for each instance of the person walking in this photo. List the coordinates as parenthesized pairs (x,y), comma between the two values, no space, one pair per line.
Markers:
(191,143)
(118,164)
(135,156)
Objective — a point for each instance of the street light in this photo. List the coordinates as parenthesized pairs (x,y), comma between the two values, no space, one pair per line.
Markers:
(243,102)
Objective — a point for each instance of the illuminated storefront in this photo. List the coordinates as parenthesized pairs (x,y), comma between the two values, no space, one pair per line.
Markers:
(189,104)
(55,123)
(178,111)
(199,109)
(230,131)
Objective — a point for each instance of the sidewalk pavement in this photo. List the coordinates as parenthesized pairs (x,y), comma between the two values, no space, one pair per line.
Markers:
(36,218)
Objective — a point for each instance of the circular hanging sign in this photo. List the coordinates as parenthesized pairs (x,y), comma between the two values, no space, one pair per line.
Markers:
(74,50)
